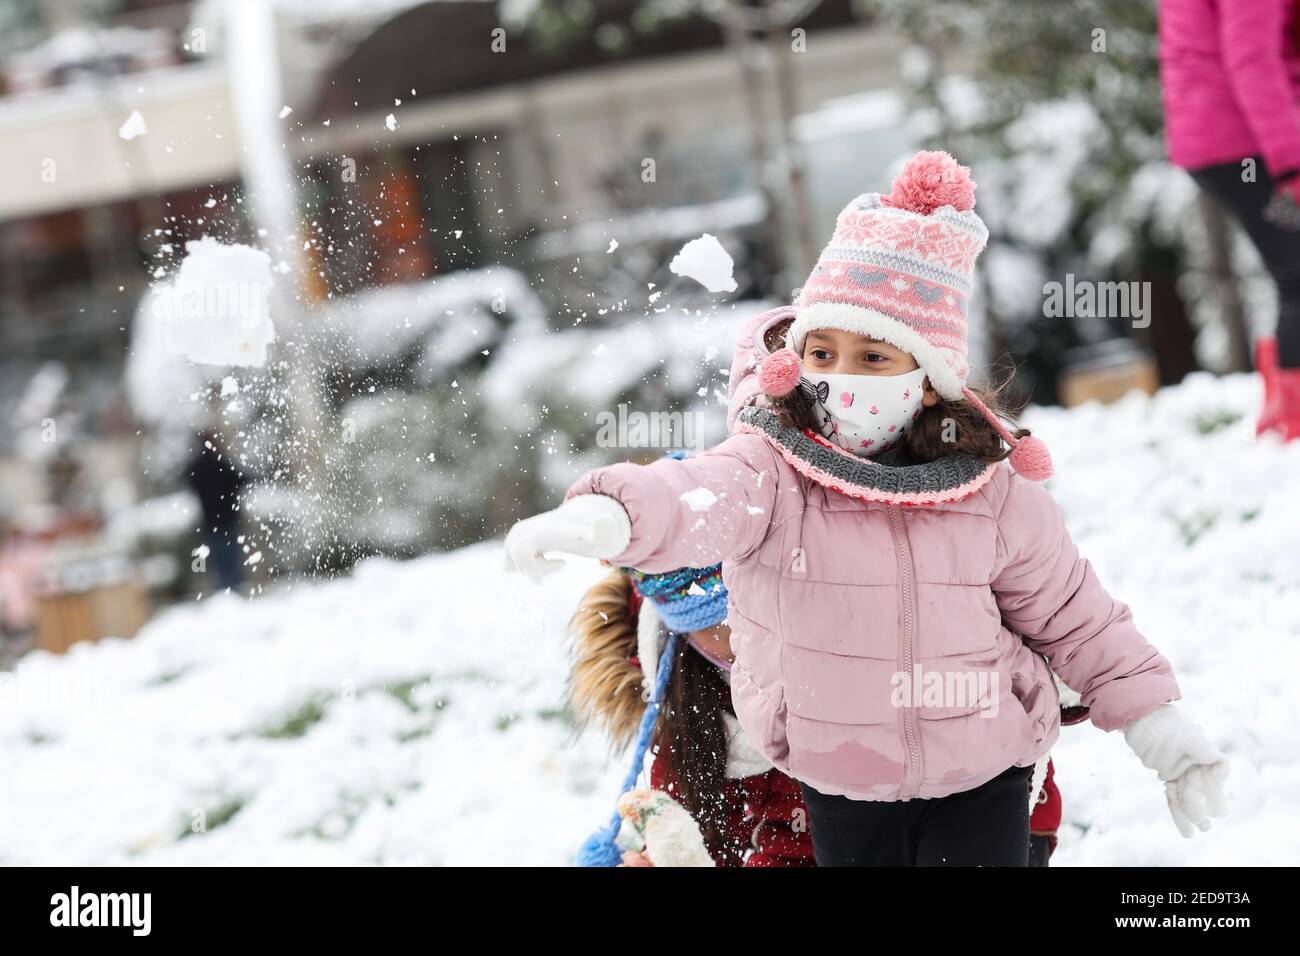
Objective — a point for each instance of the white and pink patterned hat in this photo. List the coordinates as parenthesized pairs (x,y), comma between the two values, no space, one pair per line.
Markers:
(900,269)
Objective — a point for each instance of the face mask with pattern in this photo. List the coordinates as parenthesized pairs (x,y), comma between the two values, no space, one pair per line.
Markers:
(866,414)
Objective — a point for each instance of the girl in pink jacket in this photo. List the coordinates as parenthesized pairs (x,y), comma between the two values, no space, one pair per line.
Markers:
(899,581)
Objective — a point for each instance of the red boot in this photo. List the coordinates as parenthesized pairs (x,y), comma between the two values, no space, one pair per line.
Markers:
(1281,411)
(1288,393)
(1266,363)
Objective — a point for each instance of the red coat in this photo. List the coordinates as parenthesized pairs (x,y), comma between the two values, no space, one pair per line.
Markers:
(1045,819)
(767,823)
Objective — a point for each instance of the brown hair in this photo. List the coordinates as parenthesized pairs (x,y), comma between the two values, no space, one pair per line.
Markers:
(949,427)
(605,687)
(692,737)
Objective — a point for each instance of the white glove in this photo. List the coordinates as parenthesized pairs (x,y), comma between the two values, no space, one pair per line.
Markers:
(1192,768)
(669,835)
(593,526)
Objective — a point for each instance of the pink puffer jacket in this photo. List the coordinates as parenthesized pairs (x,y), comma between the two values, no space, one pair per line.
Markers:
(845,572)
(1231,76)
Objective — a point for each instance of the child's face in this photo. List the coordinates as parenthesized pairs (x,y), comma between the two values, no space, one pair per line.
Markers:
(836,352)
(716,640)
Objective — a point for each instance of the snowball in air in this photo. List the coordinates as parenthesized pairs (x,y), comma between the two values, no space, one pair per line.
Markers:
(133,127)
(217,309)
(705,261)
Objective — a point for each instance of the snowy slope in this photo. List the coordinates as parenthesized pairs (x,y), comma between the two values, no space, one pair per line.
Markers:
(408,714)
(411,713)
(1197,527)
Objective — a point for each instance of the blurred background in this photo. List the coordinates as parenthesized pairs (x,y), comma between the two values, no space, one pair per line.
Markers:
(470,206)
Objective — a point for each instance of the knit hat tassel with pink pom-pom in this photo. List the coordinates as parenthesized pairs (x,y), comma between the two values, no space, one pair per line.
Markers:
(900,269)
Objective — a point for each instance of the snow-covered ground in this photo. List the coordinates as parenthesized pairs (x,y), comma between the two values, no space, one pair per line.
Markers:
(412,713)
(1196,525)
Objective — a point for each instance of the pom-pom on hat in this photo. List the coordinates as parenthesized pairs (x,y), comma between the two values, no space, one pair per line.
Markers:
(931,181)
(780,372)
(900,269)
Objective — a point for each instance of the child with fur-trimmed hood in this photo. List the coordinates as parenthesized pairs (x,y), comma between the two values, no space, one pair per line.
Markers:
(747,813)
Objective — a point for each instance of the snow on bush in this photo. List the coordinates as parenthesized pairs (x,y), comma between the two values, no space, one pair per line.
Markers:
(555,389)
(444,321)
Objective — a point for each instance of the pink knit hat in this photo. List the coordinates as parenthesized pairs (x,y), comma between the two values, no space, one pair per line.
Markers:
(900,269)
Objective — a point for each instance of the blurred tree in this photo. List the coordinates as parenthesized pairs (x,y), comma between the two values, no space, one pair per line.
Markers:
(20,21)
(1100,55)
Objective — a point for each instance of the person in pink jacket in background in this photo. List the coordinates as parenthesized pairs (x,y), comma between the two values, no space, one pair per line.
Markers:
(899,580)
(1230,70)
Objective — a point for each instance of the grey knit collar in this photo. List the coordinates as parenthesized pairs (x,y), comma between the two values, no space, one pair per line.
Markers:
(886,478)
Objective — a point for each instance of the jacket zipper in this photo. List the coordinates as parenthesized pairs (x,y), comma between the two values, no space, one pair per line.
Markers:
(907,587)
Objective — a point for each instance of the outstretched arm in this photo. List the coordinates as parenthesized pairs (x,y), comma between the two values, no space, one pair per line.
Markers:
(693,512)
(658,517)
(1052,598)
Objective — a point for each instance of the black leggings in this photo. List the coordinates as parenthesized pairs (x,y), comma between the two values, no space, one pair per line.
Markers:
(987,826)
(1279,248)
